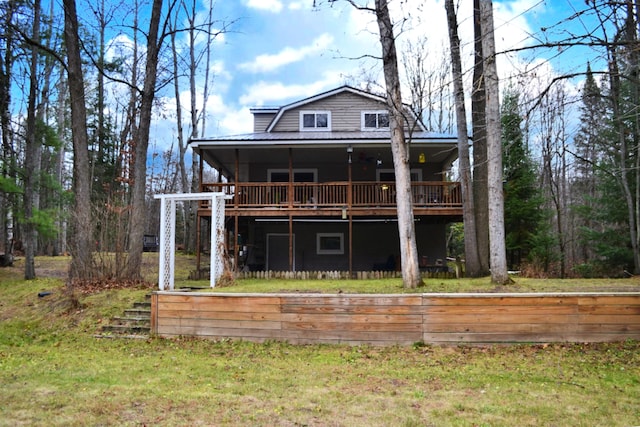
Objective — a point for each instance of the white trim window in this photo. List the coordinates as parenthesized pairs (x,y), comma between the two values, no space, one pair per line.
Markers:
(330,243)
(299,175)
(315,120)
(375,120)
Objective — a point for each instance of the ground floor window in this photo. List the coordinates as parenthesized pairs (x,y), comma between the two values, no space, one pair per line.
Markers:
(330,243)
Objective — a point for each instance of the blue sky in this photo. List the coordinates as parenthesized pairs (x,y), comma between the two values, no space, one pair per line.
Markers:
(280,51)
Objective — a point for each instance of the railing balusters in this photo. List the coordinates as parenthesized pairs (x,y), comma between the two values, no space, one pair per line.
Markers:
(335,194)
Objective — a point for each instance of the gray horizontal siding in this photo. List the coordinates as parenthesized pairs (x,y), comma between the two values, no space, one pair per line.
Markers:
(261,121)
(345,110)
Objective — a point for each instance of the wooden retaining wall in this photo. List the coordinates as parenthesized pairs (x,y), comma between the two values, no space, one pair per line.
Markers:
(398,319)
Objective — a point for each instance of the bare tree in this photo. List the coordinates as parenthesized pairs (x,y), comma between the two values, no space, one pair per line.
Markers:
(7,198)
(81,247)
(406,227)
(480,188)
(33,153)
(141,140)
(428,82)
(498,256)
(472,262)
(182,146)
(554,165)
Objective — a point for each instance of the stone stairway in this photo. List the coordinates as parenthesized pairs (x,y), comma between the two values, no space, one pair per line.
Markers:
(135,323)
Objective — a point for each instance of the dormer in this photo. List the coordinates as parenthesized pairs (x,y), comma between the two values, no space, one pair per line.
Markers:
(262,117)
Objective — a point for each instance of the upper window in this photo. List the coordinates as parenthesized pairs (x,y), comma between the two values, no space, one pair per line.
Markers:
(315,120)
(374,120)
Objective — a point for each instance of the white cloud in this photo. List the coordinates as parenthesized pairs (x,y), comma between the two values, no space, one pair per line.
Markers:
(235,122)
(347,33)
(268,5)
(271,62)
(121,45)
(265,93)
(296,5)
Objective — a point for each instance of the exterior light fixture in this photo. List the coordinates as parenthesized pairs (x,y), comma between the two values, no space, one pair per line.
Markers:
(422,158)
(344,213)
(349,152)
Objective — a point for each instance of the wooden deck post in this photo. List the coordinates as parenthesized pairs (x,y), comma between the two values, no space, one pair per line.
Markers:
(349,206)
(235,203)
(290,204)
(199,218)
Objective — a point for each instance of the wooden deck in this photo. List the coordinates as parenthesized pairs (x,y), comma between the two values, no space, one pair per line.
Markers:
(331,198)
(399,319)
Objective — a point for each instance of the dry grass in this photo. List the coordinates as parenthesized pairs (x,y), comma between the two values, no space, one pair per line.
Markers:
(56,267)
(54,372)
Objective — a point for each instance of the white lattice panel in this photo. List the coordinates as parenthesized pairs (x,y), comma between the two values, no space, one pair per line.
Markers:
(217,239)
(168,235)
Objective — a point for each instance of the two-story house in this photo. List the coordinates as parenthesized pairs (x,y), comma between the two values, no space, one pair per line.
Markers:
(312,188)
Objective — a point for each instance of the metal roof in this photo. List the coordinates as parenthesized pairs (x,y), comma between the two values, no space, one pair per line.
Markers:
(306,137)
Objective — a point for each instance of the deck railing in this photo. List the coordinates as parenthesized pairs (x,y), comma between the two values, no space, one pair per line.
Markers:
(335,194)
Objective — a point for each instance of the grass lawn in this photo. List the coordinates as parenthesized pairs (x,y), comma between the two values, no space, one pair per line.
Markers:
(54,372)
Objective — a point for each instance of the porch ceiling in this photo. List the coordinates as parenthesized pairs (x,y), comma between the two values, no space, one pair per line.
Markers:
(221,154)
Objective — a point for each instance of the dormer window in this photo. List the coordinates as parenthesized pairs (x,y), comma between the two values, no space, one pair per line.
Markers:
(375,120)
(315,120)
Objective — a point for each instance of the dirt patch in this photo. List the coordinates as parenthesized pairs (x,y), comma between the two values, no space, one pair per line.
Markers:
(87,287)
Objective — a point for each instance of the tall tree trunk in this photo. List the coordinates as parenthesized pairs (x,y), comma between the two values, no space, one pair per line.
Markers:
(614,78)
(141,141)
(43,198)
(7,199)
(633,17)
(406,226)
(81,247)
(182,148)
(498,255)
(621,130)
(190,220)
(480,188)
(125,156)
(554,165)
(61,113)
(195,177)
(33,154)
(472,262)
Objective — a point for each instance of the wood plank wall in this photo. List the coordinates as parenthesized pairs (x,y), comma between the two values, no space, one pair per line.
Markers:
(398,319)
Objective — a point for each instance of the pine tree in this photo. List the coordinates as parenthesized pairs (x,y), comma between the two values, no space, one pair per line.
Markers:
(522,197)
(589,144)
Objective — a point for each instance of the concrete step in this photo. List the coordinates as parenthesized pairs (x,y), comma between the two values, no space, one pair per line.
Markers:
(135,323)
(134,312)
(132,321)
(142,305)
